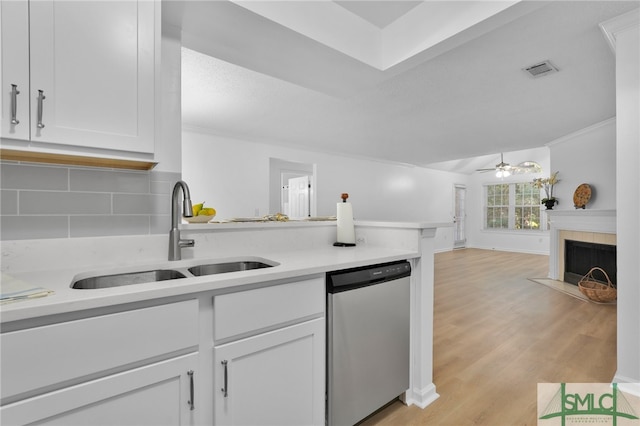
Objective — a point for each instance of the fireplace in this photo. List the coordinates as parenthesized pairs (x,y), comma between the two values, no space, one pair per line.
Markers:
(587,226)
(581,256)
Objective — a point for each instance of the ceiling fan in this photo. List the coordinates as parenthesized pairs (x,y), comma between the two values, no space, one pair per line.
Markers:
(503,169)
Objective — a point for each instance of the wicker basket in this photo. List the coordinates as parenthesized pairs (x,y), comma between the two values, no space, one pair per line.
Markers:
(597,290)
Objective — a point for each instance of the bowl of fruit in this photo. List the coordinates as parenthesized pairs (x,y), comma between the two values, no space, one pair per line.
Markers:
(201,214)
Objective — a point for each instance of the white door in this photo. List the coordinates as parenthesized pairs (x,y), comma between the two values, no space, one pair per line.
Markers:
(93,61)
(275,378)
(459,219)
(15,69)
(157,394)
(299,199)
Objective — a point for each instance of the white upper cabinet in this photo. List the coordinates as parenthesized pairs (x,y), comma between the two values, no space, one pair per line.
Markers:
(84,70)
(15,69)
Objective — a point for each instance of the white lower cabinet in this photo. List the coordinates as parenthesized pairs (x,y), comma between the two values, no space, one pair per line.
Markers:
(156,394)
(253,357)
(275,378)
(123,368)
(269,355)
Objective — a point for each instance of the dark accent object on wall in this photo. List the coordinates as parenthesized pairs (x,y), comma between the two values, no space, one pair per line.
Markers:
(550,202)
(581,196)
(547,184)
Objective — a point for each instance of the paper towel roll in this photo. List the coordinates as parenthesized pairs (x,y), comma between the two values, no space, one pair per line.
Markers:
(346,230)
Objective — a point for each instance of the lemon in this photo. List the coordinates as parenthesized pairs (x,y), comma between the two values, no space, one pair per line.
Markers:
(197,208)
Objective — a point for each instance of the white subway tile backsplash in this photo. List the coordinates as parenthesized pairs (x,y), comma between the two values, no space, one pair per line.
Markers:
(70,203)
(8,202)
(161,187)
(99,226)
(67,201)
(160,224)
(140,203)
(165,176)
(20,176)
(34,227)
(109,181)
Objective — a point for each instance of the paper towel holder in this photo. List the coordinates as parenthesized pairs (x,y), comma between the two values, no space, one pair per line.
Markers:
(344,197)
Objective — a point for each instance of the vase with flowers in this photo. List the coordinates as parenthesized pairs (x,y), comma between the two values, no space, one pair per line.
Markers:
(547,183)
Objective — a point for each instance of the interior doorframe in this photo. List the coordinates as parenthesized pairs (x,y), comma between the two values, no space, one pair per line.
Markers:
(457,244)
(279,168)
(285,191)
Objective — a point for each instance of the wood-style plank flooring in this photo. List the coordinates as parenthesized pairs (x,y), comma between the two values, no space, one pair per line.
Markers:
(497,335)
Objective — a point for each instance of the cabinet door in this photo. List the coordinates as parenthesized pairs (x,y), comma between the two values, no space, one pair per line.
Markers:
(67,352)
(14,41)
(275,378)
(157,394)
(94,63)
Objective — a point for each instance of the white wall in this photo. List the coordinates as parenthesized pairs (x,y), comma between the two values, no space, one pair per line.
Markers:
(587,156)
(519,241)
(168,105)
(628,197)
(233,177)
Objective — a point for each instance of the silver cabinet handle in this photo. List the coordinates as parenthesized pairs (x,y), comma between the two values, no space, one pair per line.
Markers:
(191,401)
(226,387)
(14,104)
(41,97)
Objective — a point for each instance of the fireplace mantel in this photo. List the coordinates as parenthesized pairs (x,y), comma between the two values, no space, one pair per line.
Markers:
(596,221)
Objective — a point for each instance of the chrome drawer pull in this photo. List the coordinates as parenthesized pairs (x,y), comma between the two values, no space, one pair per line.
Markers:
(14,104)
(191,401)
(41,97)
(225,388)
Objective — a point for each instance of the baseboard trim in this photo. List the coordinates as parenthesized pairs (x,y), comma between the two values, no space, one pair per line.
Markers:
(421,398)
(511,249)
(627,384)
(443,250)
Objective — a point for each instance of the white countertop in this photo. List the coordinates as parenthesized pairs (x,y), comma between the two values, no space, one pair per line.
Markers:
(230,226)
(298,248)
(291,264)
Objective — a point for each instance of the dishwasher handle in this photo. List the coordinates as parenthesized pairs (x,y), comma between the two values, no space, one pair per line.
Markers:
(354,278)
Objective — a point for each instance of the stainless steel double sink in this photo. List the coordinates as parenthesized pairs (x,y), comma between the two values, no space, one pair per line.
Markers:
(156,275)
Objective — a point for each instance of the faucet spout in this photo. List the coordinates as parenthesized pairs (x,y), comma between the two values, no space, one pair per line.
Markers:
(175,242)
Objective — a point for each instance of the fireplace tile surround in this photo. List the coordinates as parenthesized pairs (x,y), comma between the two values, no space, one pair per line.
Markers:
(597,226)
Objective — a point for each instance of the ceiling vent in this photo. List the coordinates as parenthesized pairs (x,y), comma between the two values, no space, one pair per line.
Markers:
(538,70)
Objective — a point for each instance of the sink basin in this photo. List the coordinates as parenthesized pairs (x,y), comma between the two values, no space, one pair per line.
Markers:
(116,280)
(221,268)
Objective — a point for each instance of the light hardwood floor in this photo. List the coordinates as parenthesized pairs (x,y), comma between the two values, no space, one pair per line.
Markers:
(497,335)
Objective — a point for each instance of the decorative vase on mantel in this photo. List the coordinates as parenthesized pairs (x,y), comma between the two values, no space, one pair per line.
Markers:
(549,203)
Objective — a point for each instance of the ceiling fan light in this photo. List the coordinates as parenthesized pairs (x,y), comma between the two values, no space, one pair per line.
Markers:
(503,173)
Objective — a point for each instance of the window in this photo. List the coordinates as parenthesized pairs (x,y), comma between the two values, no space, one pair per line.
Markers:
(513,206)
(498,206)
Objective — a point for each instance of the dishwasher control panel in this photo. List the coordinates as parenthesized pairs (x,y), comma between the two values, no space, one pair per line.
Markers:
(349,279)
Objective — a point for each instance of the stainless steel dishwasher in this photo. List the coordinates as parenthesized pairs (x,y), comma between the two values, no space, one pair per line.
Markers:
(367,340)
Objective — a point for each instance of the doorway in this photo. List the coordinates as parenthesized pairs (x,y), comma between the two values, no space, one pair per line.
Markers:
(459,216)
(292,188)
(296,200)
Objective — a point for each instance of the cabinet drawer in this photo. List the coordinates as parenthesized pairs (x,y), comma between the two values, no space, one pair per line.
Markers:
(243,313)
(44,356)
(155,394)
